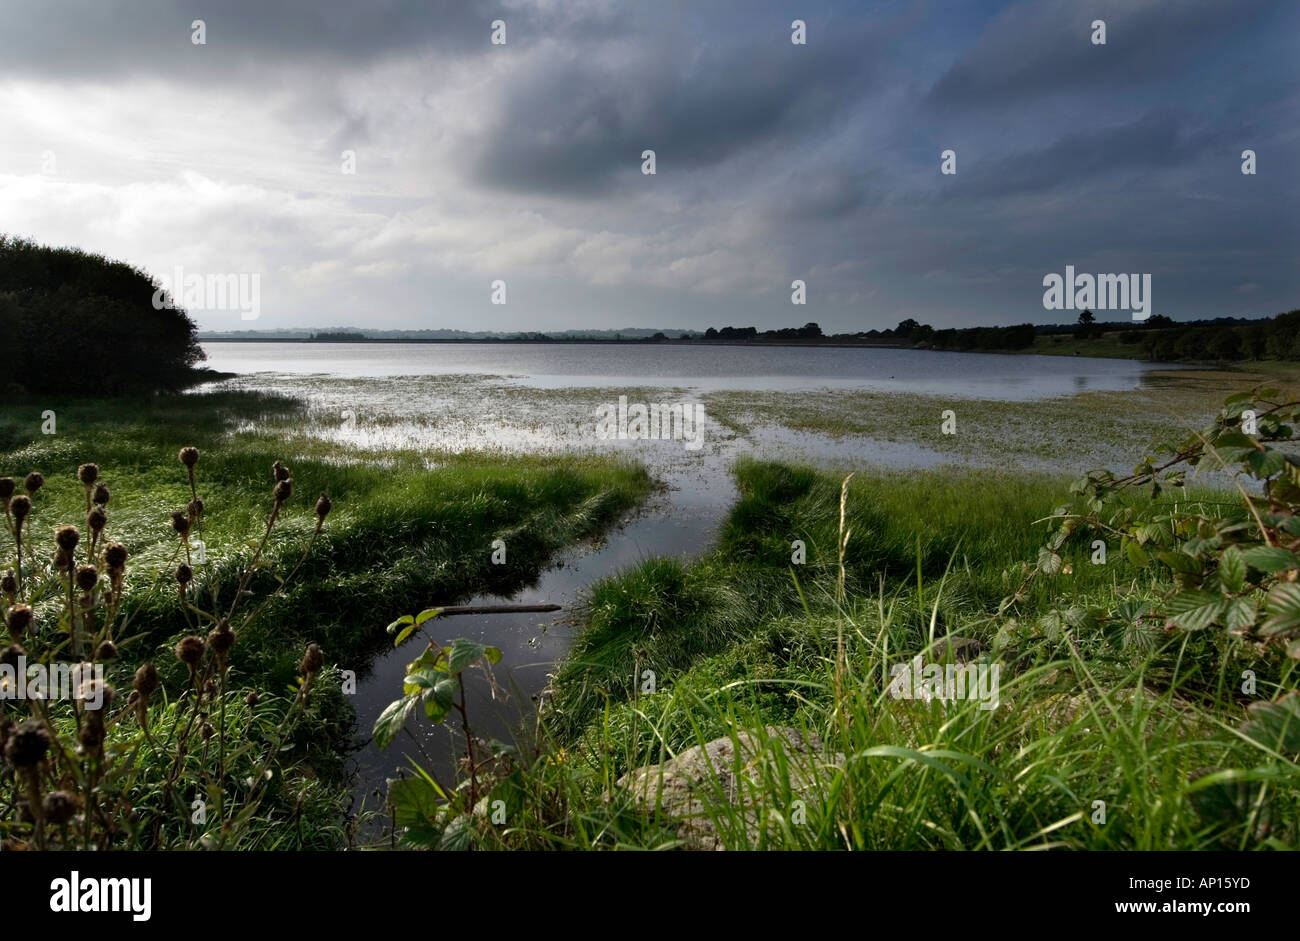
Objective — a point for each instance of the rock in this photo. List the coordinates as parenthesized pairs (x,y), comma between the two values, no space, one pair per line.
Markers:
(728,771)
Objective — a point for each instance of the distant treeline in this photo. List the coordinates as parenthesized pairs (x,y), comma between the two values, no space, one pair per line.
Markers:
(74,322)
(1159,337)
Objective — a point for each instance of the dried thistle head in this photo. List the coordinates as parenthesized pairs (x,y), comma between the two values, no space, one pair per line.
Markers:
(189,650)
(88,474)
(7,488)
(19,619)
(194,508)
(189,456)
(34,481)
(107,650)
(11,655)
(96,519)
(101,494)
(252,698)
(323,506)
(184,574)
(283,490)
(9,585)
(181,523)
(87,576)
(312,660)
(115,555)
(66,538)
(221,638)
(60,807)
(279,471)
(28,744)
(20,506)
(146,680)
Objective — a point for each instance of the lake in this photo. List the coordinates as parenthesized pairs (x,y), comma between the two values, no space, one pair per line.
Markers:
(704,368)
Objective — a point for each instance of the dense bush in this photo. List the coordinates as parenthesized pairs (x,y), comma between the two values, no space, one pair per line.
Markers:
(77,323)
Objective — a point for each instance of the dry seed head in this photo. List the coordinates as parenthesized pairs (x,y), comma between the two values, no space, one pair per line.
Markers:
(60,807)
(195,508)
(184,574)
(34,481)
(181,522)
(189,650)
(107,650)
(19,619)
(9,584)
(115,555)
(280,471)
(96,519)
(312,660)
(20,506)
(283,490)
(146,680)
(101,494)
(221,638)
(7,487)
(11,655)
(189,456)
(88,473)
(323,505)
(87,577)
(67,537)
(28,744)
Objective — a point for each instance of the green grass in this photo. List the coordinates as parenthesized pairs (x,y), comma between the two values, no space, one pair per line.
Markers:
(408,530)
(742,641)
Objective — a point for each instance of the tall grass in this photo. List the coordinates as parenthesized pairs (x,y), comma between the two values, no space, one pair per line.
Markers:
(1090,746)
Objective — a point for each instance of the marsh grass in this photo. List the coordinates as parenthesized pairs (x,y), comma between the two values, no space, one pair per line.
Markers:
(407,528)
(1090,747)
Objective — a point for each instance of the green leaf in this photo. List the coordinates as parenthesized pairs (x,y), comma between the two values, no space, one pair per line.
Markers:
(462,652)
(1265,463)
(1283,604)
(1240,615)
(458,836)
(438,698)
(1232,569)
(1181,563)
(1271,559)
(1137,556)
(428,614)
(1049,563)
(414,801)
(1195,610)
(393,719)
(403,634)
(1275,725)
(404,619)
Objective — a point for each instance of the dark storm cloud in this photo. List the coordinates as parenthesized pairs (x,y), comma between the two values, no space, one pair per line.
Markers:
(576,126)
(1158,140)
(774,160)
(78,39)
(1034,49)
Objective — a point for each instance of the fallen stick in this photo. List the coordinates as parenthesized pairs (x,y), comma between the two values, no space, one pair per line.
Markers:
(496,609)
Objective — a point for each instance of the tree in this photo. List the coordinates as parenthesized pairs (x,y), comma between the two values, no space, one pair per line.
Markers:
(1086,321)
(81,324)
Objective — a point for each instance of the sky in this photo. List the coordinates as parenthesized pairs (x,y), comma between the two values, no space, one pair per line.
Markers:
(382,163)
